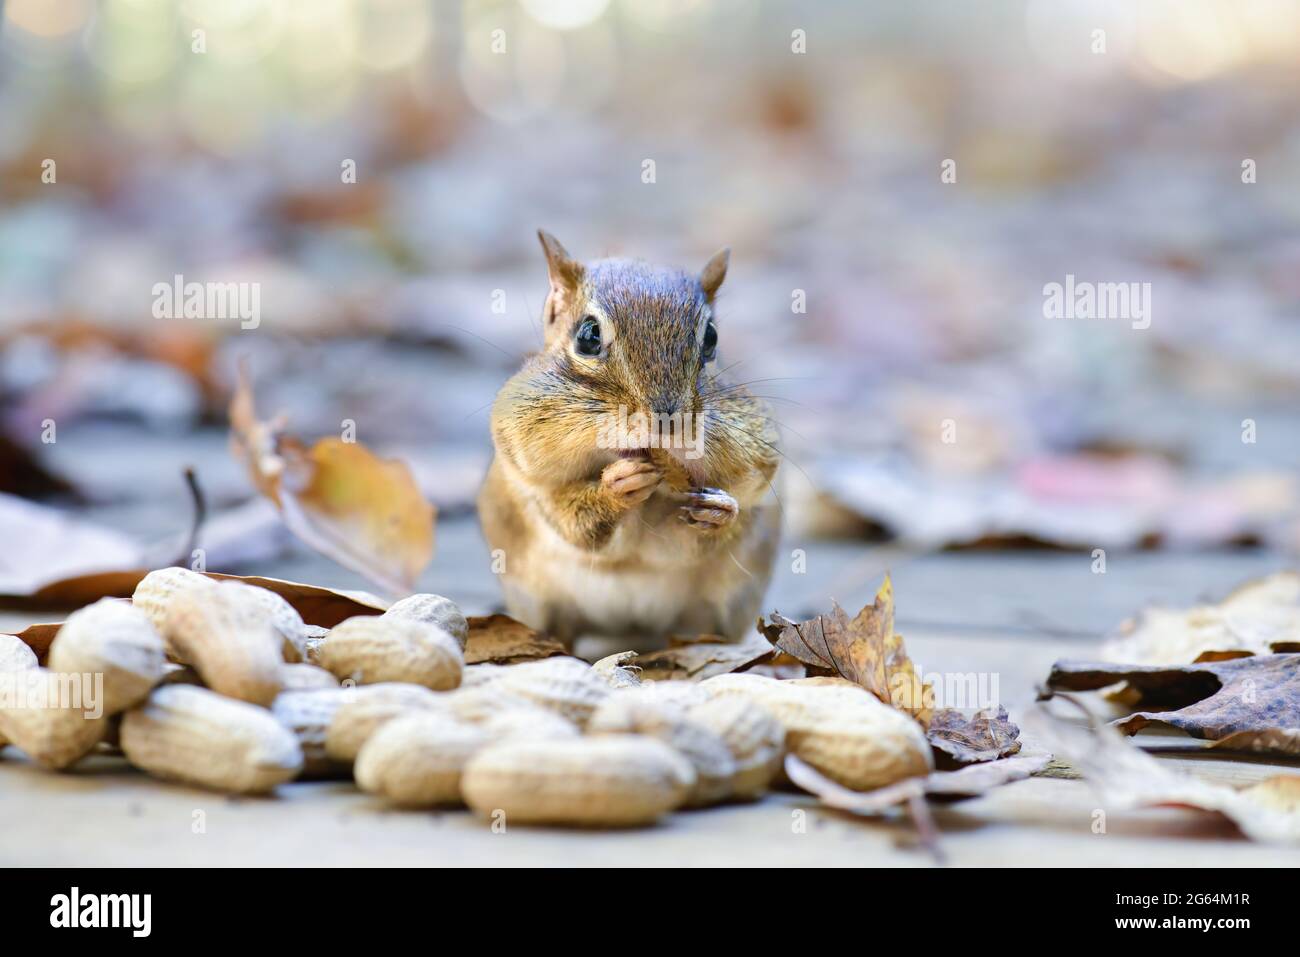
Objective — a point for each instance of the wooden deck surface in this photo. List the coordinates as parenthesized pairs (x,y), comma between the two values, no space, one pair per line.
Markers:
(1008,614)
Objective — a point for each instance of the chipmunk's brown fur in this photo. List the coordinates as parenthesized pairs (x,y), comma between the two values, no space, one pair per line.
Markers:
(633,542)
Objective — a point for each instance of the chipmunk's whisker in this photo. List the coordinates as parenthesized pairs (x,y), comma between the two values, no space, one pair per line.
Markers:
(736,386)
(758,438)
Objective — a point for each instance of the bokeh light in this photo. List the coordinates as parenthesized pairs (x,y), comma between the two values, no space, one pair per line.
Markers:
(47,18)
(565,14)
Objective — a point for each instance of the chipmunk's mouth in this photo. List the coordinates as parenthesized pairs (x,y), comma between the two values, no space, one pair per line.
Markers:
(636,434)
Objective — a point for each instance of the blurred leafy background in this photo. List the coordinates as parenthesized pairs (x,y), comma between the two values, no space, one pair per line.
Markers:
(821,169)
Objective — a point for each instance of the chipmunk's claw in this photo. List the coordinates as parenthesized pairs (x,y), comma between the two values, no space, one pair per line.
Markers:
(709,508)
(631,480)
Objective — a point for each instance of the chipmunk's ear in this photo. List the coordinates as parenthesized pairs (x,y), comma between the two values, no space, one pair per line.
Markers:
(714,271)
(564,270)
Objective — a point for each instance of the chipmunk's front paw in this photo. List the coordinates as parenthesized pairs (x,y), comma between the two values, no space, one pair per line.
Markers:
(709,508)
(631,481)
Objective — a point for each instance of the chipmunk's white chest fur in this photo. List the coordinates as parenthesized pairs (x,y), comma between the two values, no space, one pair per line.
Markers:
(639,583)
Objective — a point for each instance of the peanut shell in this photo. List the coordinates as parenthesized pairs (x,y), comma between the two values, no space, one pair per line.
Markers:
(365,709)
(841,730)
(156,591)
(113,638)
(195,736)
(16,654)
(225,633)
(300,676)
(564,685)
(752,734)
(433,610)
(417,760)
(282,616)
(309,714)
(640,712)
(372,649)
(47,717)
(604,781)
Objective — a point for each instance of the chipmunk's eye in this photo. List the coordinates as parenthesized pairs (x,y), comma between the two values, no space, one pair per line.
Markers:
(710,342)
(588,337)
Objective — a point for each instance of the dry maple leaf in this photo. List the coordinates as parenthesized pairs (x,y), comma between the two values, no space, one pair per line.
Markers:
(501,640)
(364,512)
(865,650)
(1248,704)
(984,736)
(1126,776)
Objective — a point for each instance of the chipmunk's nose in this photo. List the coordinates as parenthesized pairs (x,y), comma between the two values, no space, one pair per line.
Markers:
(664,406)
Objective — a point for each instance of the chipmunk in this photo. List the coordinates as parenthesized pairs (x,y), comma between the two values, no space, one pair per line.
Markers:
(631,494)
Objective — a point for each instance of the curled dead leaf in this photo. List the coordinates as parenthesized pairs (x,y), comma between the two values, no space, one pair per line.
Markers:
(1242,703)
(364,512)
(966,782)
(1125,776)
(320,607)
(984,736)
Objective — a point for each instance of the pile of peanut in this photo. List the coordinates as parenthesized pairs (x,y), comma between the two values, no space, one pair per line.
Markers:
(220,684)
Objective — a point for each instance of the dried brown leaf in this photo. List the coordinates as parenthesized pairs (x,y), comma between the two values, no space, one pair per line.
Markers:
(57,547)
(323,607)
(984,736)
(366,513)
(1257,618)
(317,605)
(700,657)
(78,591)
(865,650)
(501,640)
(39,636)
(1243,703)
